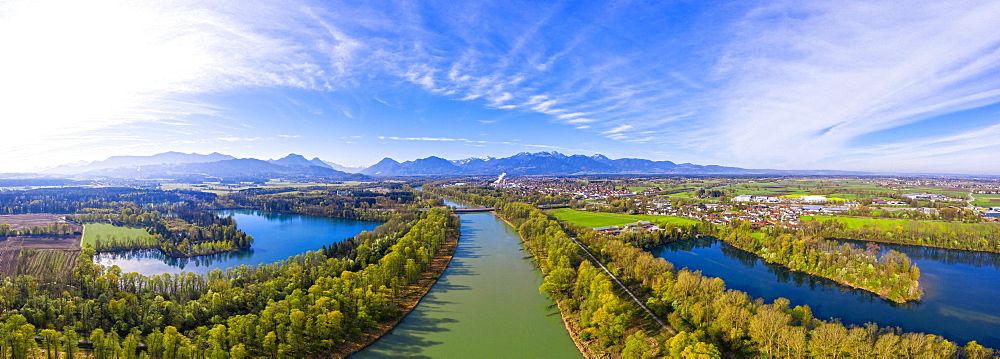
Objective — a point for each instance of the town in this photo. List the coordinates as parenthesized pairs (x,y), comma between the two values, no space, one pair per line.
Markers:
(761,201)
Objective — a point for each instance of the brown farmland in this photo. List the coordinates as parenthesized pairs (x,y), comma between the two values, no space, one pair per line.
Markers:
(20,221)
(58,252)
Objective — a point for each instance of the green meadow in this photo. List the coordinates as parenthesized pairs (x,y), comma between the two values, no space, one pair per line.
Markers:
(601,219)
(853,222)
(103,231)
(986,200)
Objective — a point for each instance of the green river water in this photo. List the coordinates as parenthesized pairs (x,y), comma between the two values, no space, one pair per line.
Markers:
(486,305)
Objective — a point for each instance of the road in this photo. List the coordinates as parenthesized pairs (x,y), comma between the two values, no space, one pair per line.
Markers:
(636,299)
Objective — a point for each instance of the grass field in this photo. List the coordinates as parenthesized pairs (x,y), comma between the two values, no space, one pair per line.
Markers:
(801,187)
(986,200)
(884,223)
(946,191)
(600,219)
(94,231)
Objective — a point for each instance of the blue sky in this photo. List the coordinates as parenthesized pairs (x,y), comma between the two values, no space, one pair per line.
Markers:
(881,86)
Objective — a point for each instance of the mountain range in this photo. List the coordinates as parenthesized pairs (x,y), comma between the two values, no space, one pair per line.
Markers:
(176,165)
(542,163)
(215,166)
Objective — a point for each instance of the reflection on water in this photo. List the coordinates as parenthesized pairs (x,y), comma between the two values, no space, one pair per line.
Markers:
(946,256)
(180,263)
(276,236)
(960,287)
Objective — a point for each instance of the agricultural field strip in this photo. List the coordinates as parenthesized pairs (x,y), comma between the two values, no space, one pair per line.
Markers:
(883,223)
(21,221)
(986,200)
(594,220)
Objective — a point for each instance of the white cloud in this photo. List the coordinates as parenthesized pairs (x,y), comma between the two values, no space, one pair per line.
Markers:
(794,83)
(849,69)
(568,116)
(619,129)
(434,139)
(501,99)
(71,68)
(241,139)
(481,142)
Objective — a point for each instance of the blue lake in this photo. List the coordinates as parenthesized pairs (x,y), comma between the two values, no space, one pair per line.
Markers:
(277,236)
(960,301)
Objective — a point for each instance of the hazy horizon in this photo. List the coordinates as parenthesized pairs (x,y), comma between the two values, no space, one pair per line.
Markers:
(886,86)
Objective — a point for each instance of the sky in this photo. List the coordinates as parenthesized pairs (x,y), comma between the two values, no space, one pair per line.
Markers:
(902,86)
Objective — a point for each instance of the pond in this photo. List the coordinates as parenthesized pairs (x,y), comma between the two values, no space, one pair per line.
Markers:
(277,236)
(961,288)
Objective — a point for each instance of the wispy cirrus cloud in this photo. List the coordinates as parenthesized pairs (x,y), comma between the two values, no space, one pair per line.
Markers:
(782,84)
(482,142)
(72,68)
(786,83)
(808,79)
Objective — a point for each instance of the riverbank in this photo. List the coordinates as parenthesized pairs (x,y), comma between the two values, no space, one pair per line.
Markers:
(409,298)
(570,319)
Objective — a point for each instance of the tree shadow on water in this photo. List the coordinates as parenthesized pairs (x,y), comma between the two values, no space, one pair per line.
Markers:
(457,267)
(467,251)
(408,339)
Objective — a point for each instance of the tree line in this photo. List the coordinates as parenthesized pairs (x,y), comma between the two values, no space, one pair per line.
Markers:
(891,276)
(305,306)
(710,318)
(954,235)
(733,322)
(52,229)
(349,203)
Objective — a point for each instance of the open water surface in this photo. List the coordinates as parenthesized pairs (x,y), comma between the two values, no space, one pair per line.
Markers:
(961,288)
(485,305)
(277,236)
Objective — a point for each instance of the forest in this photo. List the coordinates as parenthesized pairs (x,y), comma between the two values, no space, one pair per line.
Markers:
(308,305)
(350,203)
(710,319)
(954,235)
(179,221)
(891,275)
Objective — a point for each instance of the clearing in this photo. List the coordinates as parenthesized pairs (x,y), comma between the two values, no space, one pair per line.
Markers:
(104,231)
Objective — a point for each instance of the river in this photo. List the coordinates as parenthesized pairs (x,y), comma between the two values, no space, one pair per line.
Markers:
(486,304)
(277,236)
(961,288)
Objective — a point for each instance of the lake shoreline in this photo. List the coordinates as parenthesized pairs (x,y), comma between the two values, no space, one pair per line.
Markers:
(415,294)
(836,280)
(277,236)
(941,274)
